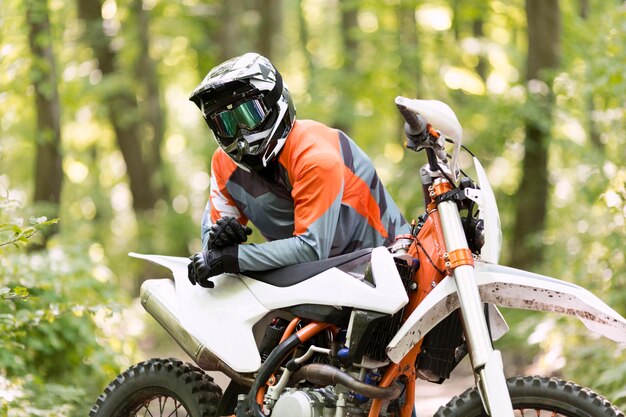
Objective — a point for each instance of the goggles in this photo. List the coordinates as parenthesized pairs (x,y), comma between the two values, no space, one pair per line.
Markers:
(247,115)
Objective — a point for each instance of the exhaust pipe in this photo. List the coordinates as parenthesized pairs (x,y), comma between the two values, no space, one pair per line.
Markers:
(158,297)
(322,374)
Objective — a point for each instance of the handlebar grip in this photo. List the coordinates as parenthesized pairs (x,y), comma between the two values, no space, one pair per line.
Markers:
(416,122)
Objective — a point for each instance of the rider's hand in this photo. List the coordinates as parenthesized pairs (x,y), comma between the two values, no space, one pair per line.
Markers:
(227,231)
(209,263)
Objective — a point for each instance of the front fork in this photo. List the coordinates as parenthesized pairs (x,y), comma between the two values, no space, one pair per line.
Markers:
(486,362)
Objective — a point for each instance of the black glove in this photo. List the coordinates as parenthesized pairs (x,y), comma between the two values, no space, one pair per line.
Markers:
(209,263)
(227,231)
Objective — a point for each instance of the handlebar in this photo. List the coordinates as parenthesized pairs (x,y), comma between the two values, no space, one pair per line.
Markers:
(416,130)
(416,124)
(423,119)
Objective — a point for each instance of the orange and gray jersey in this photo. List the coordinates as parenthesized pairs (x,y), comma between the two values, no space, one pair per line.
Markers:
(323,199)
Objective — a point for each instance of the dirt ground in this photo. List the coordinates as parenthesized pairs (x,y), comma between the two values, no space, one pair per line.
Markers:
(429,397)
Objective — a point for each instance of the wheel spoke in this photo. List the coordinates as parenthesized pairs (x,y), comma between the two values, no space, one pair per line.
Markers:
(159,388)
(147,412)
(162,405)
(177,406)
(539,412)
(163,408)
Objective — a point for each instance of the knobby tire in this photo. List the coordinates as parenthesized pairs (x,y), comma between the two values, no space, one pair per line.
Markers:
(168,387)
(537,396)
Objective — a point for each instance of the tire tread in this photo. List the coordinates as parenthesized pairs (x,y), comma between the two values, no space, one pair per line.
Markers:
(459,405)
(206,392)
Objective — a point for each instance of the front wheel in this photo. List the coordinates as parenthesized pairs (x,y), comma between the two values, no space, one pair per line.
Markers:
(537,396)
(159,387)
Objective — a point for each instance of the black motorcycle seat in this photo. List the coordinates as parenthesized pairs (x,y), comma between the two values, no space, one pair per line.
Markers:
(294,274)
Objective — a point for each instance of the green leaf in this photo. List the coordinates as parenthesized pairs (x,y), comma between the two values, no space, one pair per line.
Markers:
(21,291)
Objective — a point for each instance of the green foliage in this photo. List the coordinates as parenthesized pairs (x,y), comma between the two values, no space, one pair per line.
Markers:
(52,362)
(21,234)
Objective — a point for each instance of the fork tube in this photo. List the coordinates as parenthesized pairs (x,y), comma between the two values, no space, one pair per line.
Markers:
(486,362)
(472,310)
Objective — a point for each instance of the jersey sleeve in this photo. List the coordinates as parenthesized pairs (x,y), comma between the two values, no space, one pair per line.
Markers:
(220,203)
(316,174)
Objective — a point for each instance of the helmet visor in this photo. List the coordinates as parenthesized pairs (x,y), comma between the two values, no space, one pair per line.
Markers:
(247,115)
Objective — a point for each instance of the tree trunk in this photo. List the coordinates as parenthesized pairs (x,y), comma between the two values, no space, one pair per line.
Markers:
(153,114)
(349,28)
(267,41)
(303,31)
(123,111)
(123,108)
(408,39)
(544,25)
(583,9)
(483,63)
(456,19)
(48,166)
(229,32)
(592,128)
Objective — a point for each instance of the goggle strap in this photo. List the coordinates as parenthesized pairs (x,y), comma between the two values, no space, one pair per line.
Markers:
(271,98)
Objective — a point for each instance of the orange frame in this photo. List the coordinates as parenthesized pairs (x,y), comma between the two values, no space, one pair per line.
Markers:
(429,248)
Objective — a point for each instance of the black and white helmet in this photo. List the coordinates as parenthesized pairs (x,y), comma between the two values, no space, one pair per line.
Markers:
(248,107)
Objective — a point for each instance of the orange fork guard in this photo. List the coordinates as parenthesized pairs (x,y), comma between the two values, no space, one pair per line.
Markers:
(458,258)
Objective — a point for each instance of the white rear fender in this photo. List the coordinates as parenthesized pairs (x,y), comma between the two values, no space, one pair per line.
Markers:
(509,287)
(222,318)
(213,316)
(334,287)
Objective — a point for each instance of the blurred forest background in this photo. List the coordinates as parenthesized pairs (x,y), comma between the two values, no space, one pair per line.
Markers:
(97,132)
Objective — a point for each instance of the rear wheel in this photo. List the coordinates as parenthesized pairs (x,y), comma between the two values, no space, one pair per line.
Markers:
(537,397)
(159,387)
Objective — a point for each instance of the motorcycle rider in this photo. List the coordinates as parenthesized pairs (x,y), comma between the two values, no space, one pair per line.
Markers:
(309,189)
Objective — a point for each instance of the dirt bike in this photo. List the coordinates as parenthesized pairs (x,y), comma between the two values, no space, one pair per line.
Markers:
(349,335)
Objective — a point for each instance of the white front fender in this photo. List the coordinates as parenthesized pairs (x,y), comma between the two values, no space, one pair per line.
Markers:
(509,287)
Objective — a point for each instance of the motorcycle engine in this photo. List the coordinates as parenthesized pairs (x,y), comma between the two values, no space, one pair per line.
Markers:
(305,403)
